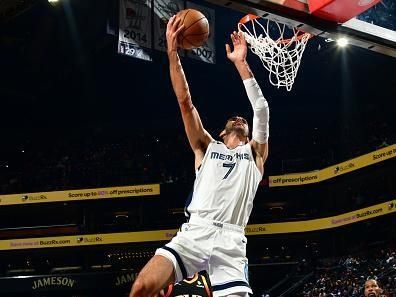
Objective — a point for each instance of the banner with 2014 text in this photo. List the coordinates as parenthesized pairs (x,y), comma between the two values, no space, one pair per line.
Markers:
(134,35)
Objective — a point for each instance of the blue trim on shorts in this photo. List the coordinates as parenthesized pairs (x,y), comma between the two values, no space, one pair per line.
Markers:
(230,285)
(178,259)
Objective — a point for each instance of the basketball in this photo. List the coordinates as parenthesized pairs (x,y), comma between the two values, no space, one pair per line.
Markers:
(196,29)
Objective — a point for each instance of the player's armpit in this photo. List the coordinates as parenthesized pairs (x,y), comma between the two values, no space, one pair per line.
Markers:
(261,153)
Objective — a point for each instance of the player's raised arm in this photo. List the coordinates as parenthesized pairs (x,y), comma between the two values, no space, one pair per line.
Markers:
(260,127)
(198,137)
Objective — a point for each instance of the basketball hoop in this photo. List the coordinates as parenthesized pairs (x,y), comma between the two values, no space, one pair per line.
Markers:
(278,46)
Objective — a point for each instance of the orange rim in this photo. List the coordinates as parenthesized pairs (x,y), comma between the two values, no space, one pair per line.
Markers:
(251,17)
(299,36)
(248,18)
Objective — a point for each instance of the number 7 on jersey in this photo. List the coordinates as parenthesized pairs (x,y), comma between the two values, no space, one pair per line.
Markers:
(230,167)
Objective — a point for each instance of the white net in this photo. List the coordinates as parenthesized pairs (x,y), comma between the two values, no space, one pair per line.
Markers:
(280,54)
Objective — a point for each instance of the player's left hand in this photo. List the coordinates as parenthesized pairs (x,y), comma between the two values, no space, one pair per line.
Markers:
(173,29)
(239,52)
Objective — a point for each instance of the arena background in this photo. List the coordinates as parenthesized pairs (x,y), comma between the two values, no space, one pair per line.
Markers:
(76,115)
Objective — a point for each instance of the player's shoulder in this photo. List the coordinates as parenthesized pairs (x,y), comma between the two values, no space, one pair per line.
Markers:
(203,282)
(204,275)
(198,278)
(197,285)
(215,144)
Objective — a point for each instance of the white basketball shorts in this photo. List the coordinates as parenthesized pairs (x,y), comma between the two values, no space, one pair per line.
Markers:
(216,247)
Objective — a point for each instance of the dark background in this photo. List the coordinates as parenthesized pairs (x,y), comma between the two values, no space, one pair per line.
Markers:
(62,81)
(75,114)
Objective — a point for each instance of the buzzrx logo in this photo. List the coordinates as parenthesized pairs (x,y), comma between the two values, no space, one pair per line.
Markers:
(89,239)
(37,197)
(343,168)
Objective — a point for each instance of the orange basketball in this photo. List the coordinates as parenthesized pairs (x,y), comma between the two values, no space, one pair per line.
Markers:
(196,29)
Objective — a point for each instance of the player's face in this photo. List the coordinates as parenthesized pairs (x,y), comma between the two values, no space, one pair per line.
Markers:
(371,288)
(237,124)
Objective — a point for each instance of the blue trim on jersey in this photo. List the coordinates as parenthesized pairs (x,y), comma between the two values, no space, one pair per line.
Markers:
(230,285)
(178,259)
(188,201)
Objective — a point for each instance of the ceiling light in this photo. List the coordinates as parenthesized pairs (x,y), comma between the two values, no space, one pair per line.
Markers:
(342,42)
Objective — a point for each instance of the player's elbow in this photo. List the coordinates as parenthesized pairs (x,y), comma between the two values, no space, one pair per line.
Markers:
(186,105)
(260,137)
(261,106)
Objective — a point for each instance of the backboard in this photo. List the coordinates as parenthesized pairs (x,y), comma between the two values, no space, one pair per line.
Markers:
(373,29)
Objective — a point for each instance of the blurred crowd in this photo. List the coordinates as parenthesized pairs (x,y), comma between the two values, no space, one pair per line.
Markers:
(346,276)
(94,162)
(106,159)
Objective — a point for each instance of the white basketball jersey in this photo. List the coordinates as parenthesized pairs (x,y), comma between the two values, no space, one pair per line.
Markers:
(225,184)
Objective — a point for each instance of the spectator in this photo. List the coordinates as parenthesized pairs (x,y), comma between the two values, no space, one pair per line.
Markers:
(372,288)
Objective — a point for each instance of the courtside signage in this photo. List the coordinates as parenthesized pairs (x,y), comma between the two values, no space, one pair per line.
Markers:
(67,282)
(324,223)
(84,240)
(78,195)
(297,179)
(166,235)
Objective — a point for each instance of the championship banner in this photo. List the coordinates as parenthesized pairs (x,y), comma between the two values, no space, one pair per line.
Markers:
(134,36)
(207,52)
(163,10)
(166,235)
(297,179)
(80,195)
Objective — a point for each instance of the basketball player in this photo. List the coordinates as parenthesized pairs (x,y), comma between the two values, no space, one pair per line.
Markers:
(197,286)
(372,289)
(227,176)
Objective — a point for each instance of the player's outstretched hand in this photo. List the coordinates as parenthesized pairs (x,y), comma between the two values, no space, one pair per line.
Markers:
(239,52)
(173,29)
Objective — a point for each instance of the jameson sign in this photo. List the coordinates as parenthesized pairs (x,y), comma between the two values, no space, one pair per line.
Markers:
(53,281)
(68,282)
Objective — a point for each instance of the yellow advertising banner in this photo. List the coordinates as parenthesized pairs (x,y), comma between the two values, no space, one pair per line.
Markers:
(297,179)
(78,195)
(83,240)
(294,179)
(323,223)
(165,235)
